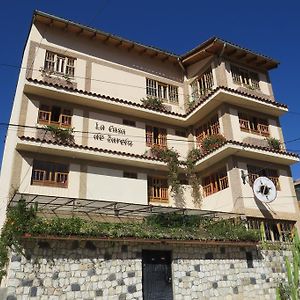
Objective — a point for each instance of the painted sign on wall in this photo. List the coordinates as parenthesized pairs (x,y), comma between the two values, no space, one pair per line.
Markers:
(112,134)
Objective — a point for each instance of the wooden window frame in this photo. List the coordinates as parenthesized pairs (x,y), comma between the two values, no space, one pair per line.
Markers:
(156,136)
(275,230)
(208,128)
(56,178)
(254,125)
(59,64)
(165,92)
(255,172)
(44,116)
(245,77)
(158,189)
(202,85)
(215,182)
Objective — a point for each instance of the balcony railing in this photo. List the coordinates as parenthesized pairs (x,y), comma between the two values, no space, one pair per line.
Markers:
(212,187)
(262,129)
(45,118)
(39,177)
(158,194)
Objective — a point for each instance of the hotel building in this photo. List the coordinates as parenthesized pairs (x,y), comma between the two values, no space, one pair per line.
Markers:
(102,87)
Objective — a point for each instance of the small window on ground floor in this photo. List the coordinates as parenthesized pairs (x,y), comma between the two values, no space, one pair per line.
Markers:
(130,175)
(49,174)
(158,189)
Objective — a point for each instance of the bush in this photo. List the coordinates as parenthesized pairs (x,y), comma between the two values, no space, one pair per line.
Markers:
(212,141)
(153,102)
(274,143)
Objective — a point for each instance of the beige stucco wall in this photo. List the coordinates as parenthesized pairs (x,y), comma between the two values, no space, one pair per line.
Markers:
(110,185)
(112,71)
(285,203)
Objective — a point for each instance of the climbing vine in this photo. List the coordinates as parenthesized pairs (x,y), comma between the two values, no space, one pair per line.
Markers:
(171,157)
(18,222)
(153,102)
(194,181)
(64,135)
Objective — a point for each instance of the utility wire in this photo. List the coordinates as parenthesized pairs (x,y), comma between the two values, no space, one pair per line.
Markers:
(83,77)
(6,125)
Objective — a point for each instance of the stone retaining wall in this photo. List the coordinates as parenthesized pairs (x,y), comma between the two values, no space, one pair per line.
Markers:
(113,270)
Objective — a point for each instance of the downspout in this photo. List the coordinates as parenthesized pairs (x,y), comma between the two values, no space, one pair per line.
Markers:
(181,65)
(222,52)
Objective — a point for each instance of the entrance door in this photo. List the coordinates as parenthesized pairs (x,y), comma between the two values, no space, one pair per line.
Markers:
(157,275)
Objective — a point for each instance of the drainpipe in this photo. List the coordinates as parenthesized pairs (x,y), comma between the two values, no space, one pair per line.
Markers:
(181,65)
(222,52)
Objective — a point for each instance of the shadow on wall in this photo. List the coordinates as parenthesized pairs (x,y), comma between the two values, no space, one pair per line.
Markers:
(104,51)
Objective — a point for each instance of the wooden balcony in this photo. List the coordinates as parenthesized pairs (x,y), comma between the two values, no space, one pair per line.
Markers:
(45,119)
(158,194)
(60,179)
(213,187)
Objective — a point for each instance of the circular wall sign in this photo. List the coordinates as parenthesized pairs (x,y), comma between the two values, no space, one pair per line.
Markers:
(264,189)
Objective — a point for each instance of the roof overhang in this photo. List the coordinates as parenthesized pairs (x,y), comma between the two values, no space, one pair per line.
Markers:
(246,151)
(219,47)
(88,153)
(212,101)
(103,37)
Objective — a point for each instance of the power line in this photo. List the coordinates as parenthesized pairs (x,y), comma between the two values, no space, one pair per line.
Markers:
(111,134)
(83,77)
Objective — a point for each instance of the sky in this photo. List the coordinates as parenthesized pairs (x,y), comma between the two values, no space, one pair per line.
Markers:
(268,27)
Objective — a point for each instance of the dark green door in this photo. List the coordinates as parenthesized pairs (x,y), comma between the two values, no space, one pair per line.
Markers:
(157,275)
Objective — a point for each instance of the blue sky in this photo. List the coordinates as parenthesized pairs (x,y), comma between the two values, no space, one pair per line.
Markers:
(268,27)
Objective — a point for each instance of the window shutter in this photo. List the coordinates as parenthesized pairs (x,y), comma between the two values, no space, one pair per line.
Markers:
(149,136)
(162,137)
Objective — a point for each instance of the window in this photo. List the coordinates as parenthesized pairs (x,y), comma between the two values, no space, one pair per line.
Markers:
(209,128)
(158,189)
(130,175)
(54,115)
(181,133)
(244,77)
(253,124)
(255,172)
(165,92)
(59,64)
(156,136)
(202,85)
(49,174)
(275,230)
(129,123)
(215,182)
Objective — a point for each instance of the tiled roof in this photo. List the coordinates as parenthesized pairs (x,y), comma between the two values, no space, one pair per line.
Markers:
(96,149)
(228,142)
(123,101)
(147,157)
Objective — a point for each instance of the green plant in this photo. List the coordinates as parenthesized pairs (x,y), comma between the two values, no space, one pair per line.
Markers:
(291,289)
(212,141)
(171,157)
(152,102)
(273,143)
(192,157)
(18,222)
(64,135)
